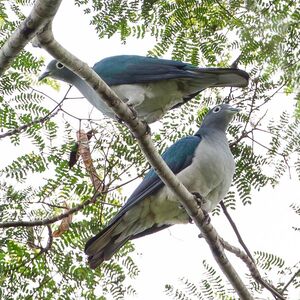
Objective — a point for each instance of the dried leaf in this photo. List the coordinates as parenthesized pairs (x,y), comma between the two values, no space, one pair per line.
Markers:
(64,225)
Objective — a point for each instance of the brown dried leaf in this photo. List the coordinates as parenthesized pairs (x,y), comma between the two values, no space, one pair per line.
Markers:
(64,225)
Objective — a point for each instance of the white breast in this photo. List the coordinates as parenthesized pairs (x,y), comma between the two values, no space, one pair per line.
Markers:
(210,173)
(151,100)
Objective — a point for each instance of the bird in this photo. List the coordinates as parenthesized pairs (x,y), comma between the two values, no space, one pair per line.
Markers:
(202,162)
(151,86)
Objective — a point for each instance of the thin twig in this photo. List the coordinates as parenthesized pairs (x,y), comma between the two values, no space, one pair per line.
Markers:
(252,268)
(53,219)
(127,182)
(122,172)
(234,227)
(41,120)
(49,242)
(267,148)
(27,125)
(271,96)
(48,204)
(110,204)
(284,156)
(65,98)
(228,13)
(253,98)
(290,281)
(246,133)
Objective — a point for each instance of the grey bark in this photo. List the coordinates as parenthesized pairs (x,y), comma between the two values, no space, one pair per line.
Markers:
(42,12)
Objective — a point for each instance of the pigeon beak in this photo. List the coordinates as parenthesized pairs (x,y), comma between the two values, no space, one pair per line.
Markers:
(44,75)
(235,110)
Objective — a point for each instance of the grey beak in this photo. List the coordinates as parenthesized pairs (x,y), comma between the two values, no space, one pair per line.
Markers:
(44,75)
(235,109)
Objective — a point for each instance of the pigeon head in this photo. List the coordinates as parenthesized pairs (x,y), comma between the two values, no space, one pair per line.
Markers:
(57,70)
(219,117)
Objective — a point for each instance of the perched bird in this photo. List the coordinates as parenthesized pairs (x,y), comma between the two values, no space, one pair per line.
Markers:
(202,162)
(151,85)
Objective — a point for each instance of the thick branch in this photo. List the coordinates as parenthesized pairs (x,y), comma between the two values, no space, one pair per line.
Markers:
(43,11)
(141,132)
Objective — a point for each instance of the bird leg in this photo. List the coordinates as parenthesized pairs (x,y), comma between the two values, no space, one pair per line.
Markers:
(148,129)
(201,201)
(131,107)
(135,115)
(118,119)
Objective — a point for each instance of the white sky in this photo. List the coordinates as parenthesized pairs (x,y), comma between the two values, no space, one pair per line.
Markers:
(171,254)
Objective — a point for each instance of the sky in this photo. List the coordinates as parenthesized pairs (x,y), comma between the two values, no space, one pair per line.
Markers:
(171,254)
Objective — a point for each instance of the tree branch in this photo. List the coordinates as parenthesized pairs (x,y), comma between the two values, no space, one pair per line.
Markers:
(42,12)
(50,220)
(291,280)
(41,120)
(48,204)
(141,132)
(235,230)
(49,242)
(252,268)
(248,259)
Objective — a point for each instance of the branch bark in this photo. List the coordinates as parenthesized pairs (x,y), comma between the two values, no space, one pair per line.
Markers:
(24,127)
(247,258)
(141,132)
(297,273)
(235,229)
(43,11)
(50,220)
(253,269)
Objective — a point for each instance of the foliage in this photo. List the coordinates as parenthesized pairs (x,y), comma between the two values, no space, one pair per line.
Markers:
(37,183)
(214,286)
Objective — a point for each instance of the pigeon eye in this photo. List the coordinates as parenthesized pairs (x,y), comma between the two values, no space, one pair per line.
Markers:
(216,109)
(59,65)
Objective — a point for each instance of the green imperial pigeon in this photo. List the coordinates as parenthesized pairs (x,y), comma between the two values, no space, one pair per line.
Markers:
(202,162)
(152,86)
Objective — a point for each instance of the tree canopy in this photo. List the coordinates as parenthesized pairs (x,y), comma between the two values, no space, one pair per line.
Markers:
(46,261)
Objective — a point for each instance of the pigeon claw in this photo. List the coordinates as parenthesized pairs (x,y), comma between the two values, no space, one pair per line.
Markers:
(148,129)
(206,219)
(119,120)
(134,113)
(200,201)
